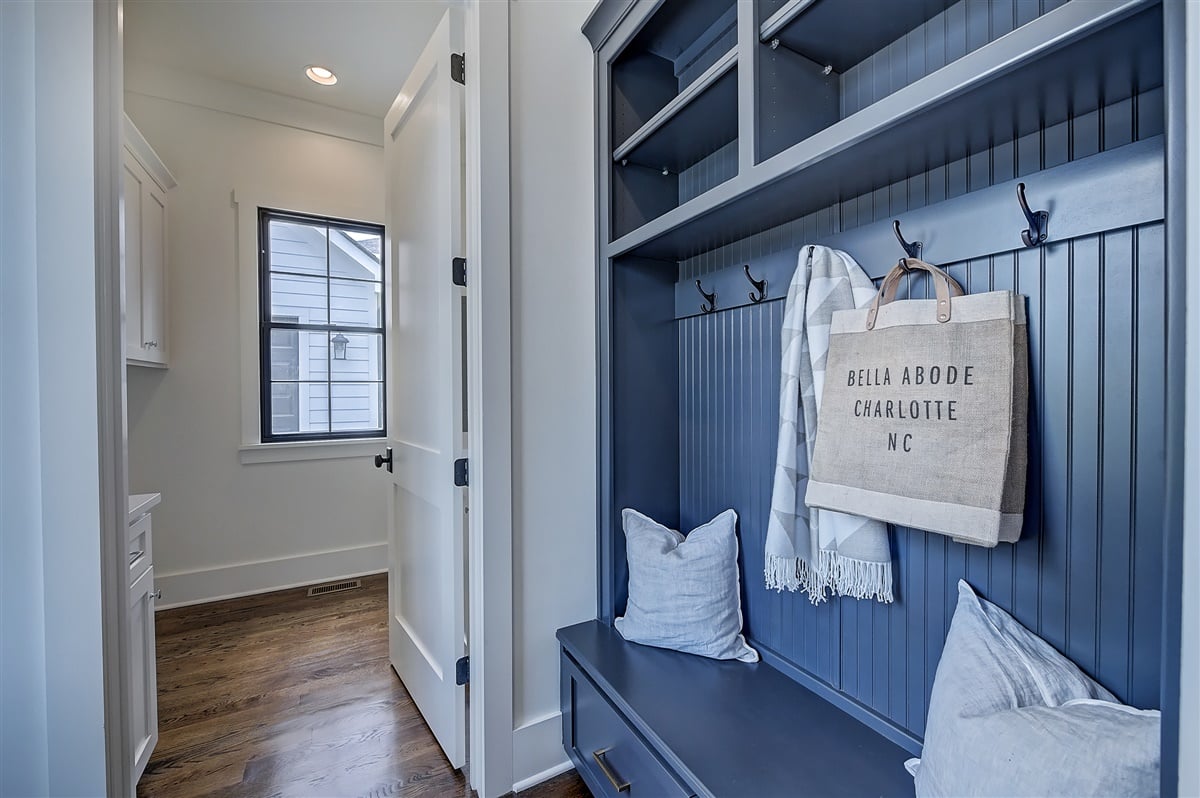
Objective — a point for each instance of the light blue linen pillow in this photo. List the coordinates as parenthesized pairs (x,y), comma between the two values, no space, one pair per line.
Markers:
(684,593)
(1010,716)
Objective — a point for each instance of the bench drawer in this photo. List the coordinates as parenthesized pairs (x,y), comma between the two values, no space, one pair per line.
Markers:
(610,755)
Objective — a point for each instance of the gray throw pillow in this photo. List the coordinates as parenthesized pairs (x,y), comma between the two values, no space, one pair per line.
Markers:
(1010,716)
(684,593)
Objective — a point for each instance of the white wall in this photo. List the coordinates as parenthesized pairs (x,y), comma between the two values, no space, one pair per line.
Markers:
(554,360)
(51,661)
(23,754)
(227,528)
(1189,693)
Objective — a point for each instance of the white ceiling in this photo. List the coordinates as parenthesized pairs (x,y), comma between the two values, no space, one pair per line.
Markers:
(370,44)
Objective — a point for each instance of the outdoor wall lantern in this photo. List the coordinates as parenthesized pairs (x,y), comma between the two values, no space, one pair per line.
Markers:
(339,342)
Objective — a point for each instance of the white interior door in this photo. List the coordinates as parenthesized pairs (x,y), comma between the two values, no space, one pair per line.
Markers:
(423,153)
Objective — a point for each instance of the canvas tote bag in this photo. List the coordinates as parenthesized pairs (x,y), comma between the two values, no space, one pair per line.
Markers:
(924,413)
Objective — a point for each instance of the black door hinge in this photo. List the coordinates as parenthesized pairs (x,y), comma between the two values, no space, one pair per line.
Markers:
(462,670)
(460,472)
(458,271)
(458,68)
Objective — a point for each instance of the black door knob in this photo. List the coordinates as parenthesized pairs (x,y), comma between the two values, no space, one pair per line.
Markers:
(381,460)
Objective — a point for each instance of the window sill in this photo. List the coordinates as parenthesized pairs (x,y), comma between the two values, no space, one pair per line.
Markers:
(298,451)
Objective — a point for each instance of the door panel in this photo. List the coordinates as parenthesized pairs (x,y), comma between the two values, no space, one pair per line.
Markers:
(423,157)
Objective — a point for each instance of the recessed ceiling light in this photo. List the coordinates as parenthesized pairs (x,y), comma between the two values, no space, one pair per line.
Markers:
(322,75)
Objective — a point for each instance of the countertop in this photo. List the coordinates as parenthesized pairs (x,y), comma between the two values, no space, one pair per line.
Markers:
(142,503)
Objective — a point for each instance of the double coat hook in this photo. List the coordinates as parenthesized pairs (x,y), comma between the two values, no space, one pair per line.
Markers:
(1039,221)
(710,299)
(913,249)
(760,286)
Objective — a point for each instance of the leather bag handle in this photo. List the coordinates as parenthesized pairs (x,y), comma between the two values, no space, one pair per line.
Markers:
(944,287)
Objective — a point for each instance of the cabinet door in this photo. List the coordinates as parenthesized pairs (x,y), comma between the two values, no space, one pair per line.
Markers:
(154,272)
(135,179)
(145,266)
(143,673)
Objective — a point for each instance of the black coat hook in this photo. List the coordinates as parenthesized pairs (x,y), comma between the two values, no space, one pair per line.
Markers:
(912,250)
(1039,221)
(759,285)
(711,299)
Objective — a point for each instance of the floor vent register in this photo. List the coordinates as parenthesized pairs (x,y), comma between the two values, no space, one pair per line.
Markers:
(334,587)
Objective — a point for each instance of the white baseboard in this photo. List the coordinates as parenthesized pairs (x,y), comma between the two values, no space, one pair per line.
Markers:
(538,752)
(183,588)
(545,775)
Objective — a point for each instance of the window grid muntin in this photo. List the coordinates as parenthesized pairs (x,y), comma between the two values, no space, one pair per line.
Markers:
(267,324)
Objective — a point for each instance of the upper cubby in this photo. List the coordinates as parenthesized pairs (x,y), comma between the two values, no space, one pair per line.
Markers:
(824,32)
(841,56)
(969,76)
(674,124)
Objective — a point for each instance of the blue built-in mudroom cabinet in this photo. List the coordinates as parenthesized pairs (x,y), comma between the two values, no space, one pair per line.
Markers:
(730,134)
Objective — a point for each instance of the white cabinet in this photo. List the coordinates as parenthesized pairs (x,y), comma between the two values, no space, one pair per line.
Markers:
(147,182)
(143,697)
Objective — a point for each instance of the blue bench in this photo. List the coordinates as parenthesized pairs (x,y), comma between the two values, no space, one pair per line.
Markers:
(641,721)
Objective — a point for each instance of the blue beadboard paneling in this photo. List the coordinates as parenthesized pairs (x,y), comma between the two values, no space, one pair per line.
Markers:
(708,172)
(1086,574)
(728,417)
(962,28)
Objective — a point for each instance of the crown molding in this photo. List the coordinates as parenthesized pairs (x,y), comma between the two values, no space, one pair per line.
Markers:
(224,96)
(136,143)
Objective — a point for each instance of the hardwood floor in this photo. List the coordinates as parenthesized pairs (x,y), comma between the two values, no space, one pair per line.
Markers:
(285,695)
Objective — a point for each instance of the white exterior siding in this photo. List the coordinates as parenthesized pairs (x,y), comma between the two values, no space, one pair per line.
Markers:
(352,300)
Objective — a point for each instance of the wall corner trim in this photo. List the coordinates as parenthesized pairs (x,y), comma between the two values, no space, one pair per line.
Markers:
(136,143)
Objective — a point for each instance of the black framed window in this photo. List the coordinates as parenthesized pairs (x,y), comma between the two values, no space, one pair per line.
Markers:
(321,344)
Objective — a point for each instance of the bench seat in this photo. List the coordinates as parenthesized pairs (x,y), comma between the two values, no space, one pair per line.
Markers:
(642,721)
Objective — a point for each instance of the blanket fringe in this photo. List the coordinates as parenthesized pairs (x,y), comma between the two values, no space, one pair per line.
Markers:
(834,575)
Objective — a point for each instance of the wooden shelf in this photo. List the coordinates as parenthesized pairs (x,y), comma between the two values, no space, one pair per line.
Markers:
(825,33)
(786,14)
(1067,62)
(698,121)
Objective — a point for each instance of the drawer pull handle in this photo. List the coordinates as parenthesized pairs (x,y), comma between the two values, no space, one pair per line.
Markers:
(618,785)
(133,555)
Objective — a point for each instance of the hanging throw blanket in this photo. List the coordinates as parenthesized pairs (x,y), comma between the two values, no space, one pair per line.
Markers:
(818,551)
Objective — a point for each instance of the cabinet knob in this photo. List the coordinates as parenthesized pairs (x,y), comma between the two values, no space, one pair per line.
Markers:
(157,594)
